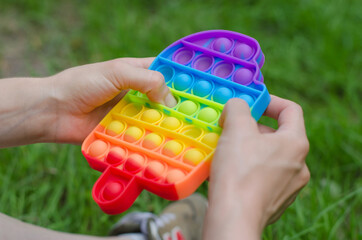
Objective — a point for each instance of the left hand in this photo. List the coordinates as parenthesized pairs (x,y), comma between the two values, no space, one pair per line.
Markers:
(83,95)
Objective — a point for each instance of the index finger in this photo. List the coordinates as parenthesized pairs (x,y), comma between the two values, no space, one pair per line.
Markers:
(288,113)
(236,118)
(139,62)
(150,82)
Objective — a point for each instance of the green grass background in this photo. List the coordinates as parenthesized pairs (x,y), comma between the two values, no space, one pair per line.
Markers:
(313,56)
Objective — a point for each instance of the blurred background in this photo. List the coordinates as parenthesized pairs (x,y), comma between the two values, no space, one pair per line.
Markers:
(313,56)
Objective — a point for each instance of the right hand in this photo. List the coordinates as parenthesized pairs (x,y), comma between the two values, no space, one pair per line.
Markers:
(256,171)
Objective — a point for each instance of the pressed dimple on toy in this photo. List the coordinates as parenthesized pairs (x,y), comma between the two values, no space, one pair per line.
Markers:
(132,110)
(167,72)
(203,62)
(192,131)
(183,56)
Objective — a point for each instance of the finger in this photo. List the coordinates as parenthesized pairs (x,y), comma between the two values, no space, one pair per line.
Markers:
(139,62)
(265,129)
(236,117)
(288,114)
(146,81)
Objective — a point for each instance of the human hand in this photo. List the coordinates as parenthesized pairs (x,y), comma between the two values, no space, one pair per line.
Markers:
(256,171)
(83,95)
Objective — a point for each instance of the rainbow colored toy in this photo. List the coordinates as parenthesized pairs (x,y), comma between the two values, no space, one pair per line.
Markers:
(167,151)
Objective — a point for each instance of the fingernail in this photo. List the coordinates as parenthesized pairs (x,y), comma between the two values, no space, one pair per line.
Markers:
(170,100)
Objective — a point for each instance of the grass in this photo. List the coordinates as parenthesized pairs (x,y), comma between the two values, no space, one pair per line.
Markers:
(312,57)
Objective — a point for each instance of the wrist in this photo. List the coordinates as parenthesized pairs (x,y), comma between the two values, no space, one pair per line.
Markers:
(42,110)
(231,214)
(26,112)
(49,108)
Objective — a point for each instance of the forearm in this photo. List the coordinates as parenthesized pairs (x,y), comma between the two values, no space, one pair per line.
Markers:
(231,216)
(25,111)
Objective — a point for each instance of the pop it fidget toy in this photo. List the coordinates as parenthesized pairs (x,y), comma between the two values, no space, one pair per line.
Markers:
(167,151)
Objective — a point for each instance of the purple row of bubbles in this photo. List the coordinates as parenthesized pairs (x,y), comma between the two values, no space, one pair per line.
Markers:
(239,50)
(204,62)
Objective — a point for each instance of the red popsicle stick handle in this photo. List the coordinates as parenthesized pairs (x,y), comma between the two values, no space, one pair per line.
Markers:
(115,191)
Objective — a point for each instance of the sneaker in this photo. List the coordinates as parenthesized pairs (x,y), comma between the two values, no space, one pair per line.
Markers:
(181,220)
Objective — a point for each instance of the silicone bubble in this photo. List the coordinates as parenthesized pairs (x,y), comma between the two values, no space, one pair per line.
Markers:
(133,134)
(172,148)
(182,81)
(171,123)
(167,72)
(97,148)
(151,116)
(207,114)
(115,128)
(243,76)
(132,109)
(223,69)
(210,139)
(202,88)
(243,51)
(222,44)
(193,156)
(112,190)
(247,98)
(154,170)
(222,95)
(183,56)
(152,141)
(193,132)
(116,155)
(174,175)
(187,107)
(203,62)
(134,162)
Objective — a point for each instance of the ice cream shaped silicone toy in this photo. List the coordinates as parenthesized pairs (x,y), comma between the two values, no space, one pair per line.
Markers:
(167,151)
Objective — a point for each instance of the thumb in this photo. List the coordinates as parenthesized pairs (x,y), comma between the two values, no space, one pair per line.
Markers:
(150,82)
(236,118)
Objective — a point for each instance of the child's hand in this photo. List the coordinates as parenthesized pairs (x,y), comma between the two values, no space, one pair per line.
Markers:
(83,95)
(256,171)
